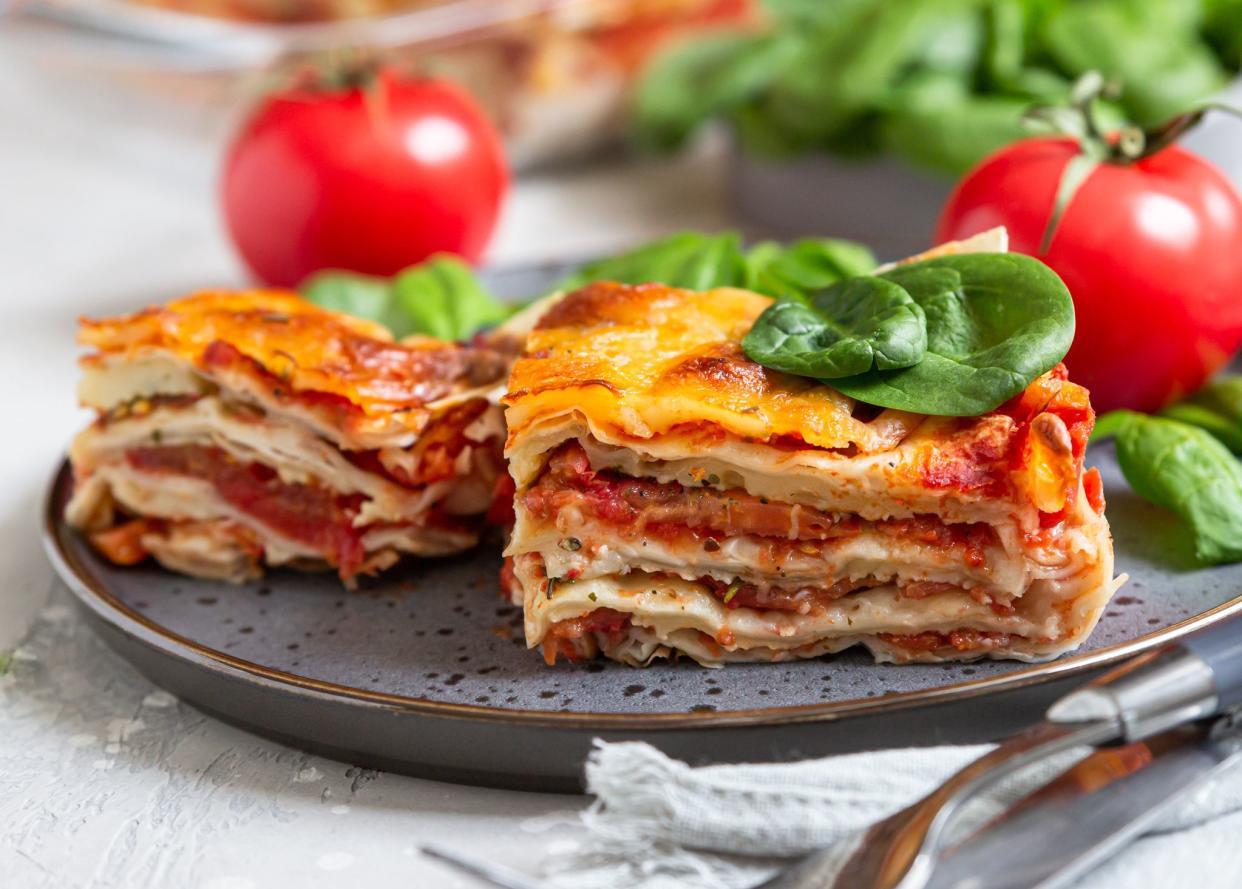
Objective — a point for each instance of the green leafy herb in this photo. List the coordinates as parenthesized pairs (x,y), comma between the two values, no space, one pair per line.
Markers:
(804,266)
(440,297)
(359,295)
(1153,48)
(938,83)
(6,660)
(948,136)
(994,323)
(1217,407)
(702,261)
(692,260)
(1185,469)
(848,328)
(1108,425)
(709,75)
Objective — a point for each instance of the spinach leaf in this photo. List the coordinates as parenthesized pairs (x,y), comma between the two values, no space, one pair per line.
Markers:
(1108,425)
(1185,469)
(700,262)
(939,82)
(690,259)
(359,295)
(442,298)
(804,266)
(439,297)
(700,79)
(1223,28)
(949,138)
(994,323)
(1152,49)
(849,61)
(1217,407)
(848,328)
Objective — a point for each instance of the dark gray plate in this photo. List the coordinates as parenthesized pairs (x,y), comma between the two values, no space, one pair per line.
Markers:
(425,671)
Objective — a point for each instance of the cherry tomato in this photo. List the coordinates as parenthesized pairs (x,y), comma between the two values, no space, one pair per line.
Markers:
(1151,251)
(369,179)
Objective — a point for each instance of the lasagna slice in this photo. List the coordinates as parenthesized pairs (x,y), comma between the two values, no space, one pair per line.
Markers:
(674,497)
(243,429)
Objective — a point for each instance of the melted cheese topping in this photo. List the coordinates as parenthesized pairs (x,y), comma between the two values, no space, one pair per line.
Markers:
(645,359)
(280,343)
(649,358)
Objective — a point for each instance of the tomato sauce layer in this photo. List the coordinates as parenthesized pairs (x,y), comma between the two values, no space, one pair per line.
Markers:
(956,640)
(312,515)
(562,635)
(639,507)
(815,600)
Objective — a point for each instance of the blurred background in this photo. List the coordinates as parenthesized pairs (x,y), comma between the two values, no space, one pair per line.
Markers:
(842,117)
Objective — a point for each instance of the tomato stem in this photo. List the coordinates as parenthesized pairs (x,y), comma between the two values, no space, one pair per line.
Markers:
(1127,145)
(347,69)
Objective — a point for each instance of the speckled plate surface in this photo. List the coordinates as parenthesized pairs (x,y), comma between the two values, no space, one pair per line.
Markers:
(425,671)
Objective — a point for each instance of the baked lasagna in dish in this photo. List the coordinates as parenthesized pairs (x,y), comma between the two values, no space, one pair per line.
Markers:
(674,497)
(243,429)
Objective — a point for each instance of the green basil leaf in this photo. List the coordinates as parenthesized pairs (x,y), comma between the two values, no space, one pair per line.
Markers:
(1006,321)
(359,295)
(690,259)
(1217,407)
(1187,470)
(442,298)
(846,329)
(804,266)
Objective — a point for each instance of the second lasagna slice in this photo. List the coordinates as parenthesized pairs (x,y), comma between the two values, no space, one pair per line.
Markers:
(238,429)
(675,497)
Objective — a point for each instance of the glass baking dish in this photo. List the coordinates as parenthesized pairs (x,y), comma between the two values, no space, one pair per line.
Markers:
(553,74)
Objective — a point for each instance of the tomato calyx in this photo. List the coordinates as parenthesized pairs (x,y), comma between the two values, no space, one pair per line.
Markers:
(334,77)
(1124,146)
(335,71)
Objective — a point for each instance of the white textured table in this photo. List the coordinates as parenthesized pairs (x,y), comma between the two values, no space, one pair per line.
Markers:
(104,780)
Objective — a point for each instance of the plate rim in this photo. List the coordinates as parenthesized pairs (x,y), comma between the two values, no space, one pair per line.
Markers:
(93,594)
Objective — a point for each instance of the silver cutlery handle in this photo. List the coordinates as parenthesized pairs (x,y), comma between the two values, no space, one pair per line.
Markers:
(1220,647)
(1197,678)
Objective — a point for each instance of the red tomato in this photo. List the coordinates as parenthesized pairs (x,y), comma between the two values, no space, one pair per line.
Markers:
(366,179)
(1151,251)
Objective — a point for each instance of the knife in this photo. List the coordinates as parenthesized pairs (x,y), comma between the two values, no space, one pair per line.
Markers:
(1063,830)
(1196,679)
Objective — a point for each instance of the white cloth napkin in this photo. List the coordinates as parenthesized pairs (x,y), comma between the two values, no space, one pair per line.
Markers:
(658,823)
